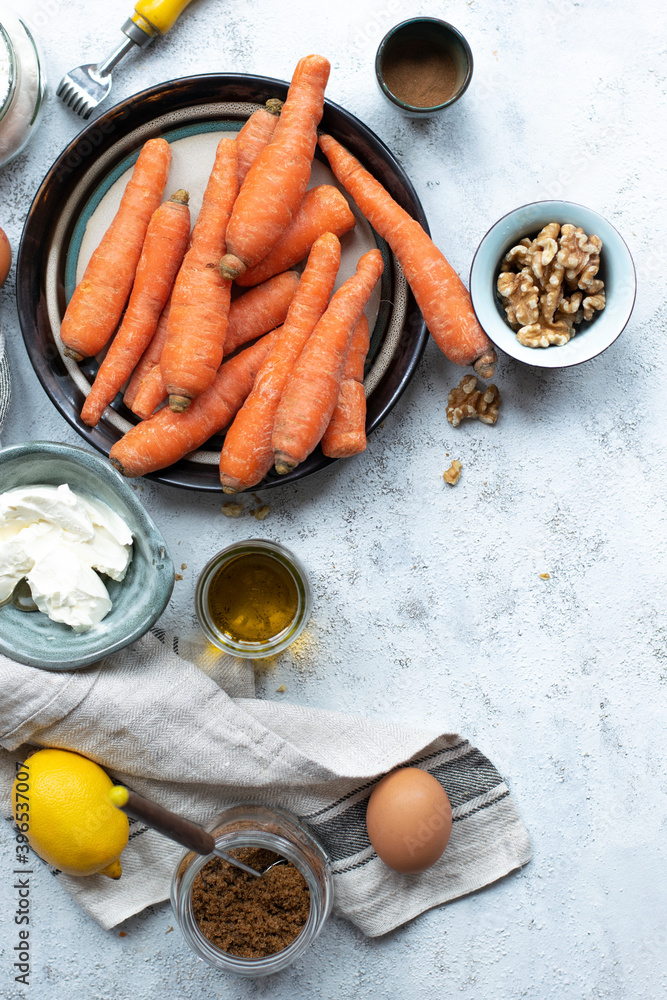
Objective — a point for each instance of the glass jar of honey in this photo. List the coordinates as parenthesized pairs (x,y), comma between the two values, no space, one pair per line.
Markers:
(253,599)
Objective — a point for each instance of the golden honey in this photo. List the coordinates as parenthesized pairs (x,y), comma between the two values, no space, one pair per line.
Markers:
(253,598)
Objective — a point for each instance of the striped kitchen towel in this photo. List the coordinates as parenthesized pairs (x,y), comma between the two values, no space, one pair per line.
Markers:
(167,729)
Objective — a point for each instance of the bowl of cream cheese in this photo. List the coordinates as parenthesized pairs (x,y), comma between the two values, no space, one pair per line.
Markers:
(75,534)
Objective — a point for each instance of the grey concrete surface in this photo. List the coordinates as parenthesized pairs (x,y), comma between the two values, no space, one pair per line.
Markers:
(428,599)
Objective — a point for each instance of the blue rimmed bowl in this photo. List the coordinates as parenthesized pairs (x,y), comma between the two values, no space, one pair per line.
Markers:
(617,270)
(137,601)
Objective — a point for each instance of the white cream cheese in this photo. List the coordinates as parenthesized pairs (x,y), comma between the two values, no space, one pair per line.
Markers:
(56,539)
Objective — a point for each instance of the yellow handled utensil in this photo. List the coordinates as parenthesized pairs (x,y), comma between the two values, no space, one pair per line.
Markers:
(83,88)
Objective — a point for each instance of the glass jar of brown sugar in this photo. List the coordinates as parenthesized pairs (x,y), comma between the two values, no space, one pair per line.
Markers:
(212,907)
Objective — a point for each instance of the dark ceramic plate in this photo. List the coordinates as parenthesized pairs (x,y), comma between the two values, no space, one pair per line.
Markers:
(84,173)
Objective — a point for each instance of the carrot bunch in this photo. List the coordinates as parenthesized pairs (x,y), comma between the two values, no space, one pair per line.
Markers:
(299,383)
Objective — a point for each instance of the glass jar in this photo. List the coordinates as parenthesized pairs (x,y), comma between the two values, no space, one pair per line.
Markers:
(276,830)
(22,85)
(243,647)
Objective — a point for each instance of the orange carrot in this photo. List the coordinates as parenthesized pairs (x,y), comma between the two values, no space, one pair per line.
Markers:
(261,309)
(247,454)
(253,314)
(150,393)
(162,254)
(277,180)
(440,293)
(346,434)
(149,359)
(255,134)
(98,301)
(200,301)
(165,438)
(312,391)
(323,210)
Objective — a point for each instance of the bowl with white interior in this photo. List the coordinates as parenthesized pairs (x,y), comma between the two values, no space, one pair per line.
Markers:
(616,270)
(136,602)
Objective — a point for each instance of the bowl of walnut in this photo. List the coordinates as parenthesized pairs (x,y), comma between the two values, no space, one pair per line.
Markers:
(553,284)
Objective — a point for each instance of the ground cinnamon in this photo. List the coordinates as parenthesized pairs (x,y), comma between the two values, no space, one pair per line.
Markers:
(247,916)
(420,73)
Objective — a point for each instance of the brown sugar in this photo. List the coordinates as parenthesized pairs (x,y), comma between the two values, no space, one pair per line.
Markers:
(420,73)
(247,916)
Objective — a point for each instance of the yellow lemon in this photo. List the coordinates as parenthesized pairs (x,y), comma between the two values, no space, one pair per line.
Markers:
(71,821)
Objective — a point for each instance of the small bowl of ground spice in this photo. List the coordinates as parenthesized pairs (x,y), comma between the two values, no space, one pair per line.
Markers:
(247,925)
(423,65)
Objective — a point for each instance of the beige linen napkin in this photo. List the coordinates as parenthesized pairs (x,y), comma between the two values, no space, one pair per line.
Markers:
(167,729)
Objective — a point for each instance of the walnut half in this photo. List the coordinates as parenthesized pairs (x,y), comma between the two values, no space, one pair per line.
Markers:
(466,400)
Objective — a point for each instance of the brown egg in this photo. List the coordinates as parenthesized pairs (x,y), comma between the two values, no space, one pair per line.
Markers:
(409,819)
(5,257)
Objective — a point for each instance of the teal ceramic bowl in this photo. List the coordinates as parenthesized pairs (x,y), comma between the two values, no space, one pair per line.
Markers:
(137,601)
(616,270)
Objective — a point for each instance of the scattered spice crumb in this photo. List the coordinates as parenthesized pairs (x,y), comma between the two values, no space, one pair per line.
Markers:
(178,576)
(383,423)
(230,509)
(184,565)
(141,489)
(281,689)
(122,934)
(168,930)
(545,576)
(453,473)
(261,512)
